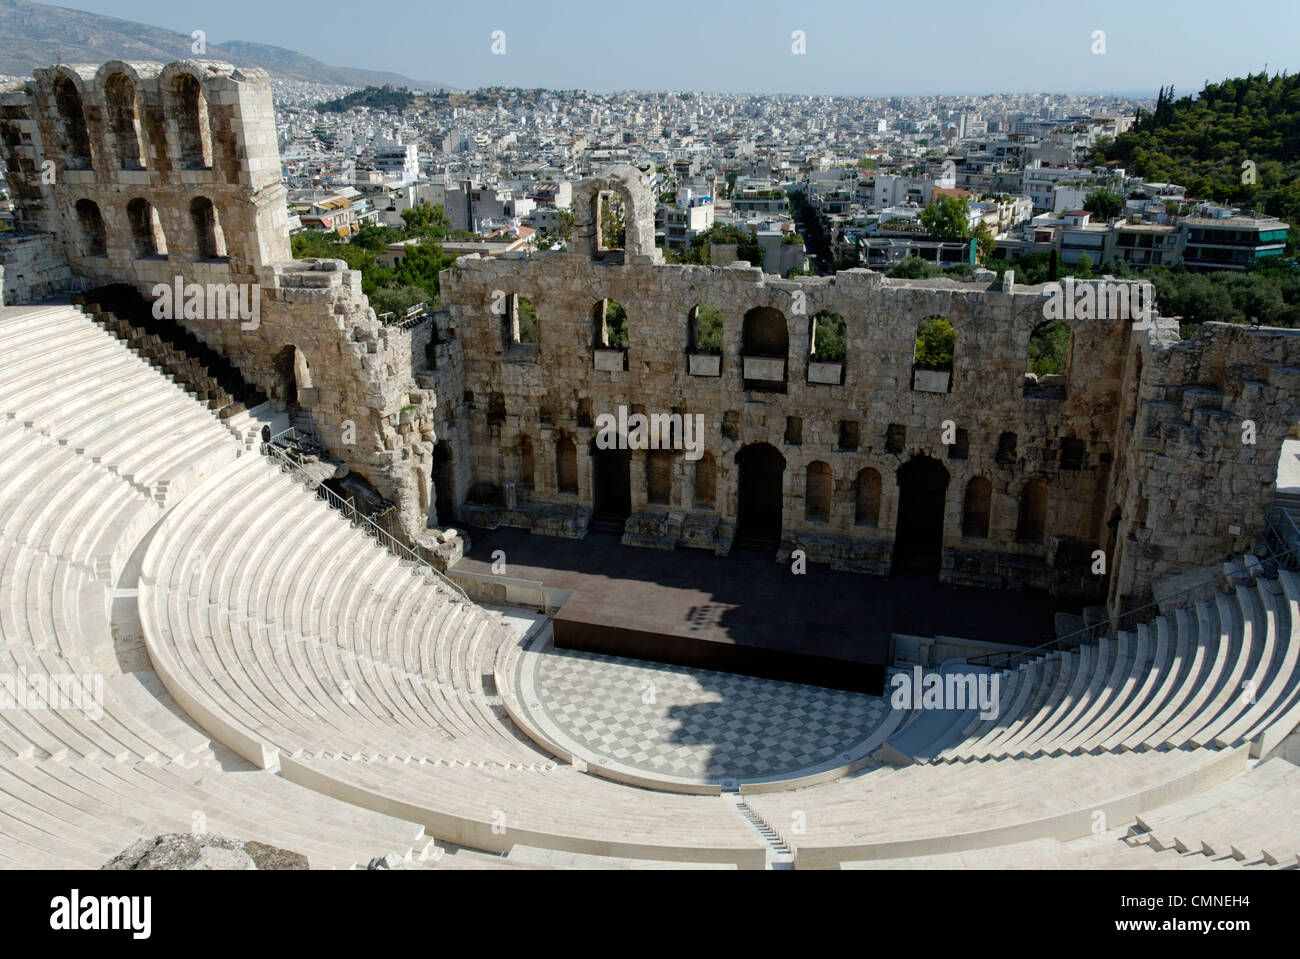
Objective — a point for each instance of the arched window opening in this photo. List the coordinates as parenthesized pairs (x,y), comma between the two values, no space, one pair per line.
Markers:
(123,125)
(72,121)
(210,242)
(765,345)
(827,349)
(146,229)
(94,240)
(867,494)
(191,110)
(817,496)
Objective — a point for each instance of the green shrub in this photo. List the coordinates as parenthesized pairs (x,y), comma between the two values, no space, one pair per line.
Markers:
(934,344)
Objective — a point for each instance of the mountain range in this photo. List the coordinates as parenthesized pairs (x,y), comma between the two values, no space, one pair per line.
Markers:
(40,35)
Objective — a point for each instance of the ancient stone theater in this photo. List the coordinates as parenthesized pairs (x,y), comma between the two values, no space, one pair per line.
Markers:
(542,578)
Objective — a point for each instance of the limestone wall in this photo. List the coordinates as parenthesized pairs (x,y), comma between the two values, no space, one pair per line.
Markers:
(554,391)
(142,173)
(1202,450)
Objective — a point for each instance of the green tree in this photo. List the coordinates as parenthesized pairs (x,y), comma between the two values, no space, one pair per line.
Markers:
(935,339)
(912,267)
(1049,348)
(1103,204)
(375,238)
(947,218)
(986,245)
(426,219)
(708,329)
(829,333)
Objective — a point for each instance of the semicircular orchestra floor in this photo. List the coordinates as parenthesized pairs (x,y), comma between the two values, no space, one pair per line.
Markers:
(683,724)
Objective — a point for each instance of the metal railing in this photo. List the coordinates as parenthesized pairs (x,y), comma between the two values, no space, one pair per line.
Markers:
(1283,559)
(284,459)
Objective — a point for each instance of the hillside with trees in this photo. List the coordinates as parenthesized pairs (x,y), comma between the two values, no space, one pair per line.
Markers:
(395,99)
(1202,143)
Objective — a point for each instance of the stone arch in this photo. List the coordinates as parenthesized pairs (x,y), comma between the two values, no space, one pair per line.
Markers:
(74,134)
(765,348)
(566,465)
(94,238)
(817,491)
(977,507)
(1047,360)
(147,235)
(630,185)
(209,240)
(1032,523)
(704,329)
(706,480)
(867,497)
(123,121)
(189,106)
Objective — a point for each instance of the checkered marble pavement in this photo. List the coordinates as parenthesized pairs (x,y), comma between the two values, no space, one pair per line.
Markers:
(697,723)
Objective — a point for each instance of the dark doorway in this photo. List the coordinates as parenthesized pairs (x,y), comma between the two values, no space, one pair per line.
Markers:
(611,489)
(922,492)
(758,499)
(444,497)
(286,390)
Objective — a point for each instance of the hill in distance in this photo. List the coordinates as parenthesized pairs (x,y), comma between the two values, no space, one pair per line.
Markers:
(39,35)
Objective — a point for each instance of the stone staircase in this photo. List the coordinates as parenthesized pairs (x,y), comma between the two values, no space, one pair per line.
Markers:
(185,359)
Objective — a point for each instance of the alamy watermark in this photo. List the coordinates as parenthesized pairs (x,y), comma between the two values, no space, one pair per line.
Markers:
(210,301)
(1099,300)
(920,690)
(658,431)
(26,691)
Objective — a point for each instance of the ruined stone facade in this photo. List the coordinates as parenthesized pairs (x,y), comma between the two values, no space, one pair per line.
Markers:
(141,173)
(1137,451)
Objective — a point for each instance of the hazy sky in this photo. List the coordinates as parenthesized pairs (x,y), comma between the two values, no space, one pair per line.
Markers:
(853,46)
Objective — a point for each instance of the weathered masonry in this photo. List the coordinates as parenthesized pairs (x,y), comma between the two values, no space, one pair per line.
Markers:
(142,173)
(871,462)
